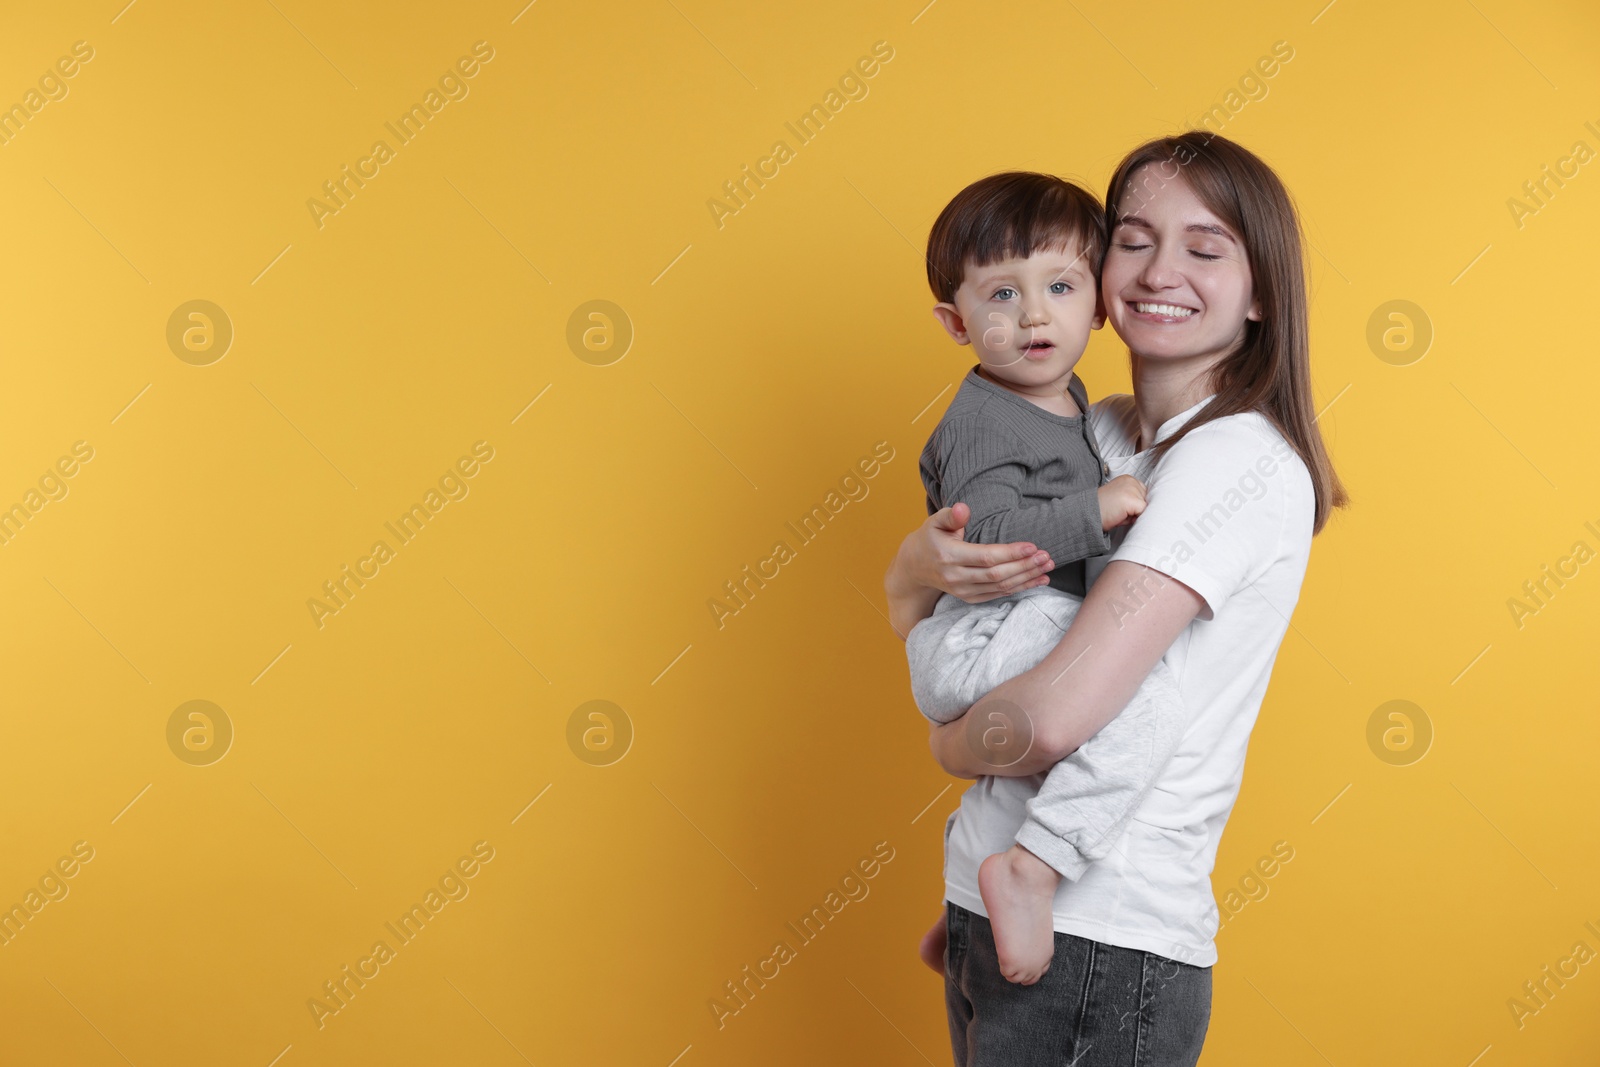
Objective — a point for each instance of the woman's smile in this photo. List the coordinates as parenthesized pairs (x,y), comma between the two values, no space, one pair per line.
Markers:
(1160,312)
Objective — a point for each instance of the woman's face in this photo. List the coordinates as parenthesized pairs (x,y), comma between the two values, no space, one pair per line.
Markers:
(1176,281)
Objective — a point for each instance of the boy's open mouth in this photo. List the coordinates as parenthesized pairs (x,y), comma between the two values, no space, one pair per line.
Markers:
(1038,346)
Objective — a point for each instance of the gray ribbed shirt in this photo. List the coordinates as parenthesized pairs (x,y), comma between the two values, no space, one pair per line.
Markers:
(1027,474)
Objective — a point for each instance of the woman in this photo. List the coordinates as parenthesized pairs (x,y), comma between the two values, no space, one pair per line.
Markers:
(1204,282)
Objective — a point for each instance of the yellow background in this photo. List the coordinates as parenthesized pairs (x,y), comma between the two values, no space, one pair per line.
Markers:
(768,356)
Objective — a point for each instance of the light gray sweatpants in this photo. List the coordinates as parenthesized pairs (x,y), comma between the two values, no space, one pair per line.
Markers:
(962,651)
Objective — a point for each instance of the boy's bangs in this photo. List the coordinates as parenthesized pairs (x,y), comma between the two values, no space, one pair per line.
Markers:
(1013,215)
(1019,240)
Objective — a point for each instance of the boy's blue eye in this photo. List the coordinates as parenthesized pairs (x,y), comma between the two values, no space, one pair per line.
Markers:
(1000,293)
(1060,287)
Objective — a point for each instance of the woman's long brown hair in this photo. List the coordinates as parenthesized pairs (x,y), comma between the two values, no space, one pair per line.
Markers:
(1271,371)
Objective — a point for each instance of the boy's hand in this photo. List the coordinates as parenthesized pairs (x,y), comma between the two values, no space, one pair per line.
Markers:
(1121,499)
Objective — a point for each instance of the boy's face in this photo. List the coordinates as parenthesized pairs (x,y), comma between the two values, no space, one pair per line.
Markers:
(1027,319)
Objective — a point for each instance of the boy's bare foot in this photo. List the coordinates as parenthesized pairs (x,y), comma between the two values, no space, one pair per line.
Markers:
(1018,889)
(932,948)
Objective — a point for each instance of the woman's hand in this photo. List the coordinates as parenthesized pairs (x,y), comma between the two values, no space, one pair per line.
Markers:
(935,558)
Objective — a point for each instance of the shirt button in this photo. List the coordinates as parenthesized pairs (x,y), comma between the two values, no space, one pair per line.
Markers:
(1105,470)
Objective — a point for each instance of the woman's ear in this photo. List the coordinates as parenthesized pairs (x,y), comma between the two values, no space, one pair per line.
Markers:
(1254,314)
(952,322)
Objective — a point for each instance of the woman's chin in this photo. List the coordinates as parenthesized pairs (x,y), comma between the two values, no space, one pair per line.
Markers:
(1159,348)
(1154,345)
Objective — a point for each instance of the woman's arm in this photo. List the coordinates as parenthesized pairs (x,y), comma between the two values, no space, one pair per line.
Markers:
(935,558)
(1130,618)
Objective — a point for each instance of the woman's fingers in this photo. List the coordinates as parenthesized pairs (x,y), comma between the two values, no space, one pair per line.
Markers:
(1022,559)
(952,518)
(978,572)
(1019,574)
(1004,569)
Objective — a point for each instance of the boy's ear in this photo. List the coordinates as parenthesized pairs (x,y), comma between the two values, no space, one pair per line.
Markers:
(1099,311)
(952,322)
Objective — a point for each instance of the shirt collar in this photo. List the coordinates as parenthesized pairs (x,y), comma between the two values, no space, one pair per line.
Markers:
(1075,388)
(1176,423)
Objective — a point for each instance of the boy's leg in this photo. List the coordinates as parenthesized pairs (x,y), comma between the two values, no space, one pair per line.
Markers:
(1019,890)
(932,948)
(957,655)
(962,650)
(1077,815)
(1087,799)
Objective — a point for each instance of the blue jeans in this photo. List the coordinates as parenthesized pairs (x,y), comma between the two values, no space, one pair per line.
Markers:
(1098,1005)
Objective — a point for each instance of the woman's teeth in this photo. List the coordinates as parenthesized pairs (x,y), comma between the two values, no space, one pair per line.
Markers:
(1170,310)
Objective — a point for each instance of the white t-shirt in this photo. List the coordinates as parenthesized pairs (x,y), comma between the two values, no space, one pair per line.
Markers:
(1230,514)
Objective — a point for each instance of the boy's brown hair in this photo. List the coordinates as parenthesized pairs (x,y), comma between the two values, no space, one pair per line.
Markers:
(1013,214)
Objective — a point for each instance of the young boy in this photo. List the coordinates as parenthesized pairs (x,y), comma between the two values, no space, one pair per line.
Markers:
(1014,261)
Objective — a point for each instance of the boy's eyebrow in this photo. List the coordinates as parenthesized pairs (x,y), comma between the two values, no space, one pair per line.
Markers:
(987,276)
(1073,268)
(993,272)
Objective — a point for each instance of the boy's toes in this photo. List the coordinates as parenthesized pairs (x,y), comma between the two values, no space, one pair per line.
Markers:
(1023,973)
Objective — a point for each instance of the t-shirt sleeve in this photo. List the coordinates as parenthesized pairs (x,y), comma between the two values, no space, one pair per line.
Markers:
(1216,509)
(984,465)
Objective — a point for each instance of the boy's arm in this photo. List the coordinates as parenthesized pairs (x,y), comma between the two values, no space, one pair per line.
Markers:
(983,464)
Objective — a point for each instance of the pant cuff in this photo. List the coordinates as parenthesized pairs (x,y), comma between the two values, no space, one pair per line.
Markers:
(1067,860)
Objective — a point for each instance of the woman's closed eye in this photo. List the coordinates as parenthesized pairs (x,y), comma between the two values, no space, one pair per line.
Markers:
(1196,253)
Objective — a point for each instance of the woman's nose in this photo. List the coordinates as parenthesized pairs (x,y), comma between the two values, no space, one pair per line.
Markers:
(1160,272)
